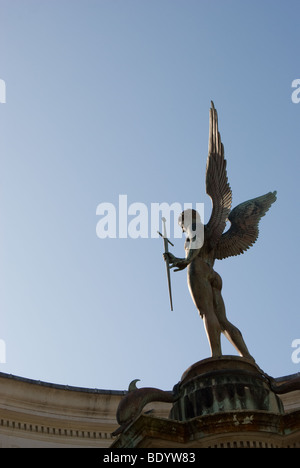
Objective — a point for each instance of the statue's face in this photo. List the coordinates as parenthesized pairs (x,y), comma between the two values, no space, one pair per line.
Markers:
(187,217)
(181,221)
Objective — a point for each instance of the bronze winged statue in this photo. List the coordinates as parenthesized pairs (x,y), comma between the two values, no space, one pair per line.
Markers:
(206,243)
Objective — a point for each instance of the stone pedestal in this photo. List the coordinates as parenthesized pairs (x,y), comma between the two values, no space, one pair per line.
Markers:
(227,383)
(219,402)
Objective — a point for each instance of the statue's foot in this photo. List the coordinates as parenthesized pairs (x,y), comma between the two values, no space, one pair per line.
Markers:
(251,358)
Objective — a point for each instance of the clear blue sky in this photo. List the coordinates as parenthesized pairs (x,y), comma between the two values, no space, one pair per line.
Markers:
(110,97)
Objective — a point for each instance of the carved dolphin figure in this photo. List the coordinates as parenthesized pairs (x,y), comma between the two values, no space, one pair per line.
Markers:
(131,406)
(290,385)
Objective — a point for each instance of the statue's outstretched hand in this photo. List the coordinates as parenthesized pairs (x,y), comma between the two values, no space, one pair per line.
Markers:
(175,262)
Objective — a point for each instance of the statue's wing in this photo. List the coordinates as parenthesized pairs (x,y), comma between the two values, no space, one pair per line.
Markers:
(243,231)
(217,186)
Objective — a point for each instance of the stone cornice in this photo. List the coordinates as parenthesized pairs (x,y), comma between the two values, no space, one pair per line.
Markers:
(55,413)
(230,429)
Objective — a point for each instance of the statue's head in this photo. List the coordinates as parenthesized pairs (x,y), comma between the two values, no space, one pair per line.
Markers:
(188,217)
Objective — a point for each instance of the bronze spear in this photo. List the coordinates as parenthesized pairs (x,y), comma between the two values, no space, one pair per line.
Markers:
(166,242)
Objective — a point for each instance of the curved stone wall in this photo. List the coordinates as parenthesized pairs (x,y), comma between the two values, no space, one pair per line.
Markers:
(39,414)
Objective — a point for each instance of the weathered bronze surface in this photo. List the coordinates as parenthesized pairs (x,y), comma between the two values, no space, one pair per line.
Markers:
(204,283)
(133,403)
(227,383)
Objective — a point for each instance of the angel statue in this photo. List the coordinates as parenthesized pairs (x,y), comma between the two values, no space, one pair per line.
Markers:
(202,250)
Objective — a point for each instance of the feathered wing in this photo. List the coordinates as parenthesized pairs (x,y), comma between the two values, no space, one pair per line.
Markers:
(217,186)
(243,231)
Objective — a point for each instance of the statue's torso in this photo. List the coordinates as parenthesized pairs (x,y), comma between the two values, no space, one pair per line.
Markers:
(205,255)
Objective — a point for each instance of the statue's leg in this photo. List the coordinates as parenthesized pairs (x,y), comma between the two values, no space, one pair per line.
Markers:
(231,332)
(213,332)
(235,337)
(202,295)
